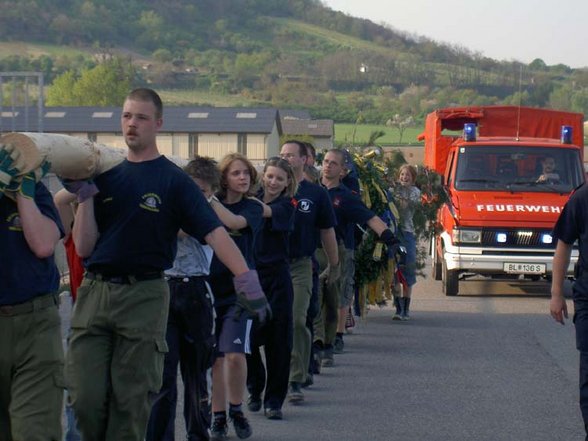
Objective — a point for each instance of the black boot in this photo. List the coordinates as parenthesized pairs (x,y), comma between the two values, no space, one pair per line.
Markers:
(397,304)
(406,314)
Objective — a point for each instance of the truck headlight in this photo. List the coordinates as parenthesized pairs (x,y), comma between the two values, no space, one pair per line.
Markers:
(466,236)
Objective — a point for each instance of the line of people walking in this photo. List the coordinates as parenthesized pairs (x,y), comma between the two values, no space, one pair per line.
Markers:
(198,268)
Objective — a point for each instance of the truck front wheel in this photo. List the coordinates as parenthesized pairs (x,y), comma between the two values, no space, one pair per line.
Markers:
(450,280)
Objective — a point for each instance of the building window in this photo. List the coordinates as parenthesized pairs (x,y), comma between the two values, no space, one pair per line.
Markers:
(54,114)
(242,143)
(246,115)
(193,145)
(102,115)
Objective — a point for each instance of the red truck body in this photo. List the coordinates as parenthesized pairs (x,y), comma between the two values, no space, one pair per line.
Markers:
(502,202)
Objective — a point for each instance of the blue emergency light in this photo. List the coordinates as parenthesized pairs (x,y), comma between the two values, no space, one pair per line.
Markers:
(566,134)
(469,132)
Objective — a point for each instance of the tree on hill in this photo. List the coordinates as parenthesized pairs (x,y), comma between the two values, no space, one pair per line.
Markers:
(296,53)
(104,85)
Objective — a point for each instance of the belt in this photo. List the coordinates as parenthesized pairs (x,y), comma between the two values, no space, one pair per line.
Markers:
(124,279)
(41,302)
(298,259)
(184,279)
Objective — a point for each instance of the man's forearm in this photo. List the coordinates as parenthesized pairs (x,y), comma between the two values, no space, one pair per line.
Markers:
(329,241)
(561,262)
(40,232)
(227,251)
(377,225)
(85,230)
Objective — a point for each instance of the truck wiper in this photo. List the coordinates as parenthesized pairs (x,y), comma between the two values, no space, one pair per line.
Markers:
(478,180)
(542,185)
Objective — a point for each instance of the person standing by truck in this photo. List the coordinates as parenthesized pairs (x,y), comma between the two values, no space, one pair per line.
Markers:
(408,196)
(571,226)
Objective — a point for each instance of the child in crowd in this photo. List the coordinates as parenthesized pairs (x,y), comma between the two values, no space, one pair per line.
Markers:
(233,323)
(407,197)
(272,263)
(190,327)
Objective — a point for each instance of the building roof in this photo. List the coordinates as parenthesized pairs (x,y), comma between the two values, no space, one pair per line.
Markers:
(175,119)
(312,127)
(294,114)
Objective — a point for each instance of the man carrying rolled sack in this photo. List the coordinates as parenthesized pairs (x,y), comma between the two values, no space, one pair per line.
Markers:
(31,365)
(126,227)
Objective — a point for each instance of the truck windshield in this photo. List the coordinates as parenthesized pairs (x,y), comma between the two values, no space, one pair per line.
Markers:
(518,168)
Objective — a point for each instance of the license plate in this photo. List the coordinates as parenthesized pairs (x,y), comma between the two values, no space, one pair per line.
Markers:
(524,268)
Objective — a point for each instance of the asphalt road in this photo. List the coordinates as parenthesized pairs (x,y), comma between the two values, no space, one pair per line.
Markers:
(489,364)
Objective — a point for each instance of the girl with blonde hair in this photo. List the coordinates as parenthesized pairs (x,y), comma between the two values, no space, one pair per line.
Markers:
(407,196)
(271,258)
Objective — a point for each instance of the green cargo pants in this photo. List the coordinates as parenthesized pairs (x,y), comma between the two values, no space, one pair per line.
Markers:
(114,363)
(31,371)
(325,323)
(301,271)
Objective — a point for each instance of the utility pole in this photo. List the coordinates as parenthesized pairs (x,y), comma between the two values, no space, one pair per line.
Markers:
(16,78)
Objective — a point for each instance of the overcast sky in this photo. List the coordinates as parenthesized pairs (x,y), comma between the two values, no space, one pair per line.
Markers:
(522,30)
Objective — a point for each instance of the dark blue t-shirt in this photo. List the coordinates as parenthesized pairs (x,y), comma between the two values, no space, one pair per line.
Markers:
(272,242)
(221,278)
(349,210)
(23,276)
(571,224)
(313,213)
(352,183)
(139,210)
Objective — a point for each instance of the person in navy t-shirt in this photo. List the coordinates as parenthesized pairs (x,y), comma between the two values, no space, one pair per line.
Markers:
(126,228)
(349,210)
(30,333)
(272,261)
(571,227)
(314,220)
(229,371)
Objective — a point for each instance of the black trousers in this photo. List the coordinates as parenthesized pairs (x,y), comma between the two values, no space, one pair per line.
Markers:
(584,389)
(276,338)
(190,340)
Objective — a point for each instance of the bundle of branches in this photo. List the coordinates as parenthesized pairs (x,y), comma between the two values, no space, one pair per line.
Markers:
(371,257)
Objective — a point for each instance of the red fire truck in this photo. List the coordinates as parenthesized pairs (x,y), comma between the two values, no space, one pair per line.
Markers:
(508,171)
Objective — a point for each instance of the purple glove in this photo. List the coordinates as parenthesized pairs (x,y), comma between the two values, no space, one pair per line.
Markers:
(250,296)
(84,189)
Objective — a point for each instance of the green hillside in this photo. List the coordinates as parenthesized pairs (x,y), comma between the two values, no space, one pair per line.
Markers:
(282,53)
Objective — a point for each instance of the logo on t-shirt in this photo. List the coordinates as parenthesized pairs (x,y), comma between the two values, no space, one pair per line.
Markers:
(305,205)
(337,202)
(151,202)
(14,223)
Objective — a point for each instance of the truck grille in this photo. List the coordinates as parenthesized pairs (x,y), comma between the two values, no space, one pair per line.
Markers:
(515,237)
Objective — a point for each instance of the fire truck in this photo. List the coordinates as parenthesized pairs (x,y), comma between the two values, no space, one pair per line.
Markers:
(507,171)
